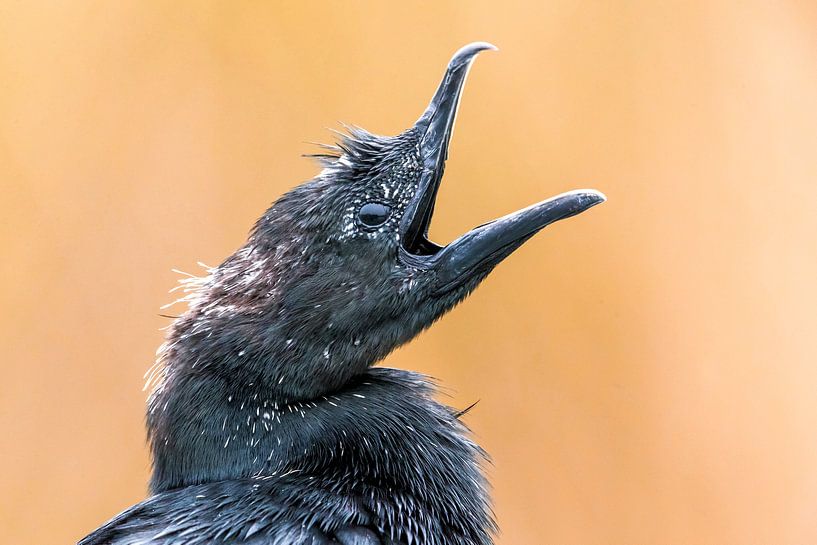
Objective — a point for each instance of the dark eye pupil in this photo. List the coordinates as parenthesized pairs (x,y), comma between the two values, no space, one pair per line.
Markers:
(373,214)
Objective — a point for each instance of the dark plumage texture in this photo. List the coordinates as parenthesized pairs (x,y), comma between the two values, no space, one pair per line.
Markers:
(381,455)
(266,421)
(267,374)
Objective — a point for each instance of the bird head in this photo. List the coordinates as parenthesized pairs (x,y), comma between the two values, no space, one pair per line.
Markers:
(340,270)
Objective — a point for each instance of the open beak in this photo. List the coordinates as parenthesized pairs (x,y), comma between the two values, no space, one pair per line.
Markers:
(485,246)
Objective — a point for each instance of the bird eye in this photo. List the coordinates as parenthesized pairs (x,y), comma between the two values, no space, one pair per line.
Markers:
(373,214)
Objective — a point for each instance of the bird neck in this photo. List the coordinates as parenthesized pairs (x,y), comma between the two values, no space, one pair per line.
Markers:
(383,433)
(291,328)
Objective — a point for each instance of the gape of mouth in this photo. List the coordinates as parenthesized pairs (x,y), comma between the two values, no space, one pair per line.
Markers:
(485,245)
(434,129)
(415,240)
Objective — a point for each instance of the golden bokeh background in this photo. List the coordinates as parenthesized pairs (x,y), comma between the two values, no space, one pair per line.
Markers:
(647,371)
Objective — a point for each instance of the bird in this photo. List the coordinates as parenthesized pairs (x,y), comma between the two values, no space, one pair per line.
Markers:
(268,421)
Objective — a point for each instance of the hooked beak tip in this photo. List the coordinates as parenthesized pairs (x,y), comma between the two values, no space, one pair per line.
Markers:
(467,53)
(476,47)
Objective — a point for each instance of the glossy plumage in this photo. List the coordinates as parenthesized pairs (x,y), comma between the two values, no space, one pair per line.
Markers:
(267,422)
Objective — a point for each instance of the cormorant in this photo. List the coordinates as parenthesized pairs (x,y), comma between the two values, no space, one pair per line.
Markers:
(267,422)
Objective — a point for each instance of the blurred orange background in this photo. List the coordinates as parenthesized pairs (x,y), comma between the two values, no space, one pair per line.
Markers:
(647,371)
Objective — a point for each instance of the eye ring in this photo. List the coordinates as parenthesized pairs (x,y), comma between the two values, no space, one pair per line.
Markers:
(373,214)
